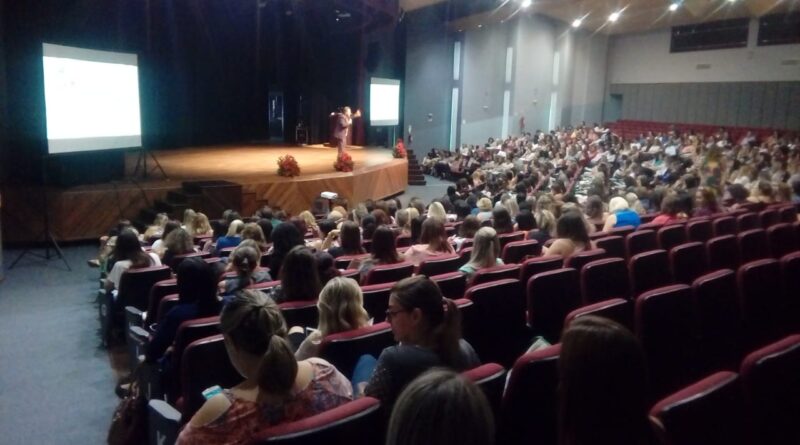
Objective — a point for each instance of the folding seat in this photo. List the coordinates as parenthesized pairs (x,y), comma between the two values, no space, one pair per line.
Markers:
(158,291)
(622,231)
(666,325)
(578,260)
(767,218)
(772,391)
(617,309)
(529,412)
(752,245)
(649,226)
(599,234)
(781,239)
(648,218)
(201,239)
(725,225)
(649,270)
(671,236)
(720,319)
(640,241)
(604,279)
(510,238)
(453,285)
(439,265)
(178,259)
(343,261)
(551,296)
(491,377)
(501,334)
(747,221)
(708,412)
(350,273)
(376,300)
(613,245)
(300,313)
(687,262)
(345,348)
(389,273)
(516,251)
(722,252)
(532,266)
(358,421)
(761,301)
(494,273)
(788,214)
(790,273)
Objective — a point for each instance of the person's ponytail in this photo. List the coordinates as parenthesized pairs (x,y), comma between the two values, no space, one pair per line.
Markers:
(278,368)
(447,335)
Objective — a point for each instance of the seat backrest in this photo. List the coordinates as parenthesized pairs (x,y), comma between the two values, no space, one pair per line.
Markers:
(781,239)
(617,309)
(491,377)
(752,245)
(772,391)
(516,251)
(376,299)
(604,279)
(671,236)
(640,241)
(722,252)
(613,245)
(719,318)
(159,290)
(699,230)
(500,336)
(708,412)
(453,285)
(725,225)
(578,260)
(665,323)
(494,273)
(389,273)
(649,270)
(345,348)
(530,402)
(198,373)
(747,221)
(135,285)
(790,270)
(550,297)
(688,261)
(623,231)
(300,313)
(439,265)
(188,332)
(510,237)
(532,266)
(761,301)
(344,261)
(403,240)
(767,218)
(788,214)
(357,421)
(178,259)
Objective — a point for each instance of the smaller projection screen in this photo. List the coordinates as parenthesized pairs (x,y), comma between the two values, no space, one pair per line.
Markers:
(384,102)
(91,99)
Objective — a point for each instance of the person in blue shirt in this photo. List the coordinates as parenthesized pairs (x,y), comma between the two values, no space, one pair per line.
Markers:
(620,215)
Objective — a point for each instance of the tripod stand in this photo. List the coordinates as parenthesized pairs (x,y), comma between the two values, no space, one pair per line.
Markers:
(141,161)
(46,235)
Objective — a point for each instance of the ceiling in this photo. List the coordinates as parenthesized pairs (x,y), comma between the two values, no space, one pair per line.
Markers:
(636,16)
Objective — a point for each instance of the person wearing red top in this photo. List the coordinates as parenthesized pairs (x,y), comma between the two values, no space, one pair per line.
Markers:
(670,211)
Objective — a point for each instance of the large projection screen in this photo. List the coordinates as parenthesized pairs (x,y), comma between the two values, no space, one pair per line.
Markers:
(91,99)
(384,102)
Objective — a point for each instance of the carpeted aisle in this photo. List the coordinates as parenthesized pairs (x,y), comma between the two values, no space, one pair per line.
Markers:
(56,384)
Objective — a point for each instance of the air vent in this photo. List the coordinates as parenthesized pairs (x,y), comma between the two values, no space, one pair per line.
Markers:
(790,62)
(703,66)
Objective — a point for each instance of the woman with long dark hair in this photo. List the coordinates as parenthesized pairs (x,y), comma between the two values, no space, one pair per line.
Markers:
(299,277)
(128,254)
(383,252)
(572,236)
(284,238)
(349,240)
(432,242)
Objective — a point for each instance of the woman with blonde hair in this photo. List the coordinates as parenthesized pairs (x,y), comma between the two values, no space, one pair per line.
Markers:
(188,220)
(232,238)
(201,226)
(484,209)
(311,222)
(341,309)
(252,231)
(436,210)
(402,219)
(485,252)
(620,214)
(277,388)
(156,230)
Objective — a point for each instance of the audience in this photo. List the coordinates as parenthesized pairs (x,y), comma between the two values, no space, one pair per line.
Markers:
(432,242)
(299,277)
(244,260)
(383,252)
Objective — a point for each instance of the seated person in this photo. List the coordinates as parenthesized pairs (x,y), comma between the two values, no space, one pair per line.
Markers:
(299,277)
(670,210)
(571,234)
(501,221)
(428,329)
(485,252)
(383,252)
(466,231)
(620,215)
(232,238)
(349,236)
(341,309)
(128,254)
(277,388)
(433,242)
(244,260)
(177,242)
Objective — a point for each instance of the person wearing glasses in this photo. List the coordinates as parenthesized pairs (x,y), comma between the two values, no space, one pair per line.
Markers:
(427,327)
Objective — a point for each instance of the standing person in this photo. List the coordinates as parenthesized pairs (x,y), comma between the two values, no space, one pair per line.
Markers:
(343,122)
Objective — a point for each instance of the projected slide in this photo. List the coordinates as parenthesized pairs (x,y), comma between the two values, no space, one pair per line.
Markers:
(384,101)
(91,98)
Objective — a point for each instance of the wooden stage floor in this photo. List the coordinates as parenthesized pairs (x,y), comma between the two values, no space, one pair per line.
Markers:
(89,211)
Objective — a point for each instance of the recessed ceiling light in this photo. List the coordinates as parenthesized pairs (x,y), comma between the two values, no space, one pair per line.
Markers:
(526,3)
(480,26)
(577,23)
(614,16)
(673,7)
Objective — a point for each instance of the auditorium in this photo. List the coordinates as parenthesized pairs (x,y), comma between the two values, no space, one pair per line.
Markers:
(472,222)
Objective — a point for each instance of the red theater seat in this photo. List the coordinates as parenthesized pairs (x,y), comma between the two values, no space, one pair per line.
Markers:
(550,297)
(604,279)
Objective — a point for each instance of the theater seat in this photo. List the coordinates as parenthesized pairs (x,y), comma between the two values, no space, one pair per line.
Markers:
(376,299)
(769,217)
(345,348)
(709,412)
(389,273)
(550,297)
(699,230)
(720,320)
(725,225)
(649,270)
(578,260)
(439,265)
(671,236)
(510,238)
(617,309)
(688,261)
(453,285)
(640,241)
(494,273)
(752,245)
(604,279)
(761,301)
(502,333)
(781,239)
(613,245)
(747,221)
(516,251)
(532,266)
(300,313)
(790,275)
(491,377)
(722,252)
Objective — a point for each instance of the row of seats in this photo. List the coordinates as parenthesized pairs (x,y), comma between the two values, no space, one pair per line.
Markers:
(629,129)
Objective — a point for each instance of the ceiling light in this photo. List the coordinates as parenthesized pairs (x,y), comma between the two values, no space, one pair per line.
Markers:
(614,16)
(673,7)
(526,3)
(480,26)
(577,23)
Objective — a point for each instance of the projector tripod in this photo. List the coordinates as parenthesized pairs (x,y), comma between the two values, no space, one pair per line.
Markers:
(47,234)
(141,161)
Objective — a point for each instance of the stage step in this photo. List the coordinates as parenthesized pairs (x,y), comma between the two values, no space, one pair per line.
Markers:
(417,182)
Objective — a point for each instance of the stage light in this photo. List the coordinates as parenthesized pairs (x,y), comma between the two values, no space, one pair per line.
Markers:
(614,16)
(526,3)
(673,7)
(577,23)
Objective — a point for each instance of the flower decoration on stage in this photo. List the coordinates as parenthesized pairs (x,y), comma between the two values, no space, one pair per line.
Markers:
(344,163)
(287,166)
(399,152)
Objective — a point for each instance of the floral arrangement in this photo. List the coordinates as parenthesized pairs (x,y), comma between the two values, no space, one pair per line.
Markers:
(287,166)
(399,151)
(344,163)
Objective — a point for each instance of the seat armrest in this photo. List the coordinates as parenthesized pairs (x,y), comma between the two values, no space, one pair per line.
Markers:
(164,422)
(133,316)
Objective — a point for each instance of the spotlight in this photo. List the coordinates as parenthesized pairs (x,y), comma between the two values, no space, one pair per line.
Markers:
(614,16)
(526,3)
(577,23)
(673,7)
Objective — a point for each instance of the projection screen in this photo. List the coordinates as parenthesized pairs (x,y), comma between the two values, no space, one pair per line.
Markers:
(384,102)
(91,99)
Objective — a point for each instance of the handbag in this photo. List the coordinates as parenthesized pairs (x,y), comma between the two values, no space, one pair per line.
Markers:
(129,423)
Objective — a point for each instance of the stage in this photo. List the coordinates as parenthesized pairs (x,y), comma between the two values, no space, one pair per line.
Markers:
(88,211)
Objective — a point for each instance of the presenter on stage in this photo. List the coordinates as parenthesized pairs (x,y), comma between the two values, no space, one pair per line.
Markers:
(343,122)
